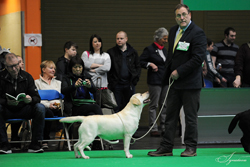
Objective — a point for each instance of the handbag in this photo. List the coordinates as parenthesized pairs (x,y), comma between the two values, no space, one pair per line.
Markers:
(106,98)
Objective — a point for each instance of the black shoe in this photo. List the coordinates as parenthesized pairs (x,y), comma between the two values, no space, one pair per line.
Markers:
(45,145)
(15,146)
(35,148)
(161,152)
(5,148)
(189,152)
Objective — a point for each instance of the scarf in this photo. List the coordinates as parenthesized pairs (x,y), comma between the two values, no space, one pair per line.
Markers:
(159,46)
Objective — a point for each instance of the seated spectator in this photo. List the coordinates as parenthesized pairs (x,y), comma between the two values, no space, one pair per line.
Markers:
(242,67)
(3,52)
(76,88)
(16,126)
(14,81)
(211,73)
(97,63)
(47,81)
(20,61)
(76,93)
(153,59)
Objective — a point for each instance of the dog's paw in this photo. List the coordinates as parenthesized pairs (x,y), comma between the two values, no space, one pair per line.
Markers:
(85,157)
(78,156)
(129,156)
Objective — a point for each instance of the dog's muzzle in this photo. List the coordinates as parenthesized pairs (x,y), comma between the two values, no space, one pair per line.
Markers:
(146,101)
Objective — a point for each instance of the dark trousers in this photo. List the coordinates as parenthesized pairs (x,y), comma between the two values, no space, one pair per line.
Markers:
(47,125)
(123,94)
(190,100)
(35,112)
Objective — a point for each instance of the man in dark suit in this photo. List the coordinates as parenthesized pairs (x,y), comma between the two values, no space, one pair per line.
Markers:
(187,51)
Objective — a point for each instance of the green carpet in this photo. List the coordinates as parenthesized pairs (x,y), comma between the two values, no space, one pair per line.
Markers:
(207,157)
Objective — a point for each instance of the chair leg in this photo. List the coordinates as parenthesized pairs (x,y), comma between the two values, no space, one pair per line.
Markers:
(102,143)
(67,136)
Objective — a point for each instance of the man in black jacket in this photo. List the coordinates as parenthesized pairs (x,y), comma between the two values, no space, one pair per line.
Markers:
(15,81)
(125,70)
(187,51)
(70,50)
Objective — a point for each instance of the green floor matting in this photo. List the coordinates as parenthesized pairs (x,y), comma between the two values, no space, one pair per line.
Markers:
(207,157)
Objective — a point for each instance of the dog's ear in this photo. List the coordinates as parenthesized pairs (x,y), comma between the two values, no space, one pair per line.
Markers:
(136,101)
(233,123)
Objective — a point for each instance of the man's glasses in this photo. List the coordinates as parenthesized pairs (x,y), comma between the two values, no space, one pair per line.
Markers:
(183,14)
(13,66)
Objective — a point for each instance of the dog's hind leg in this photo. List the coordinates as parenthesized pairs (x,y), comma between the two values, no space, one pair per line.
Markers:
(81,148)
(126,143)
(76,149)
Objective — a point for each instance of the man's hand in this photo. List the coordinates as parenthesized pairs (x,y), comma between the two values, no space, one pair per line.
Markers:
(223,79)
(174,75)
(237,81)
(217,80)
(12,102)
(27,99)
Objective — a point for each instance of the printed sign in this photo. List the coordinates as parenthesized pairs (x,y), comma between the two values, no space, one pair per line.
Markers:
(32,39)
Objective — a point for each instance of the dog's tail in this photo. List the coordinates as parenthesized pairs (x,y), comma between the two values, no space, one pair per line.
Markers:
(112,142)
(233,123)
(72,119)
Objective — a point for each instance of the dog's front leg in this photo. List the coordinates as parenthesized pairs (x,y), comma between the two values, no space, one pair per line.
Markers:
(126,143)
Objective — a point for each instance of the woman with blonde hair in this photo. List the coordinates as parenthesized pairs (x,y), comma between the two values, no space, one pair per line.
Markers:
(47,81)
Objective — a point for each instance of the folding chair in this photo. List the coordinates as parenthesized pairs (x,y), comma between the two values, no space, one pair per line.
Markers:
(26,131)
(51,94)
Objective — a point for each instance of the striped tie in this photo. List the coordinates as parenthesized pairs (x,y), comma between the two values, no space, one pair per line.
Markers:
(178,37)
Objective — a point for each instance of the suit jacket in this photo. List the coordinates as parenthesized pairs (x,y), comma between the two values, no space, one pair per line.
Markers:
(187,63)
(151,54)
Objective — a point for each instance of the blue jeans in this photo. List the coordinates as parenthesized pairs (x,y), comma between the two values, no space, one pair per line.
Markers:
(35,112)
(123,94)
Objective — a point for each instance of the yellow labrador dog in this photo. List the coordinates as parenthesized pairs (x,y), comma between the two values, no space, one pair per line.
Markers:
(121,125)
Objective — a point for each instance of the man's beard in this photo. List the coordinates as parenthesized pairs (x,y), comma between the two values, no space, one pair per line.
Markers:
(230,41)
(120,46)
